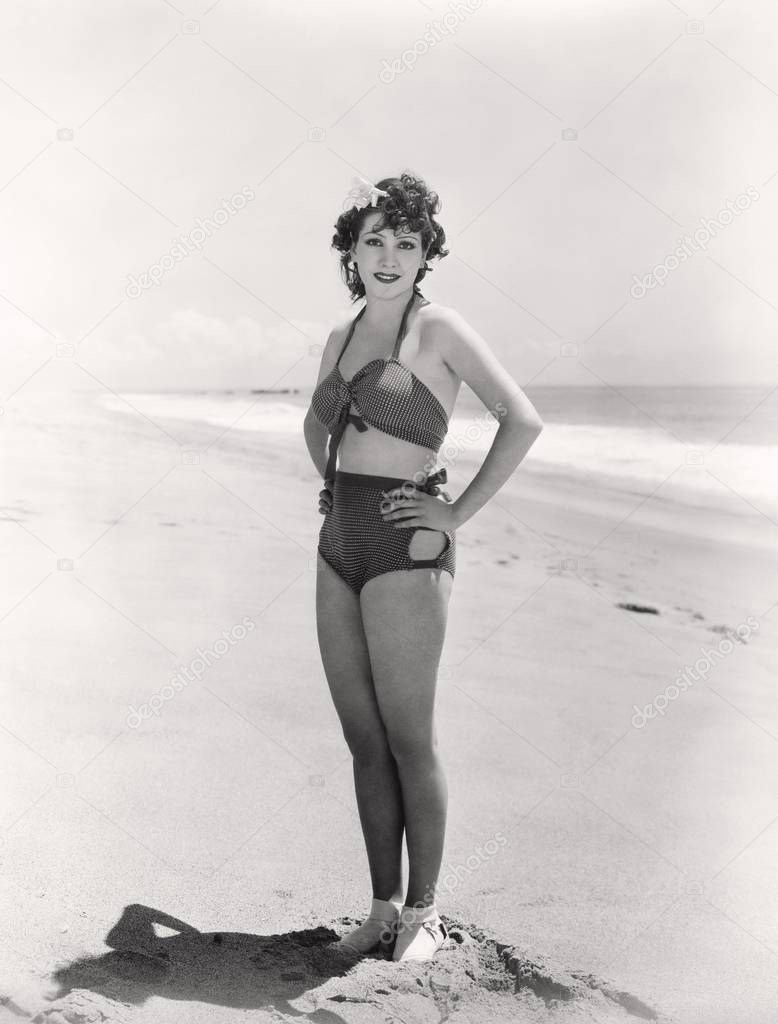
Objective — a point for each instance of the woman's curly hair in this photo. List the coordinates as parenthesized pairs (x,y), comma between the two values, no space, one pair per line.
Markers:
(410,205)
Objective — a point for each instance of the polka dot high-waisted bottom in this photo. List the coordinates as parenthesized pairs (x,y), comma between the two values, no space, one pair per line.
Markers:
(359,544)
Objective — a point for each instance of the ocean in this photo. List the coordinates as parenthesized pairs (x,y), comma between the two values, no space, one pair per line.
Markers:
(698,445)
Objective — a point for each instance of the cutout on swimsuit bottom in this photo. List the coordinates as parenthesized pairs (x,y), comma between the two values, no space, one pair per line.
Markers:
(426,545)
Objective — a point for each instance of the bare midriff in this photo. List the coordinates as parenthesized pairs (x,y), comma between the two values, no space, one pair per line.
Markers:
(382,455)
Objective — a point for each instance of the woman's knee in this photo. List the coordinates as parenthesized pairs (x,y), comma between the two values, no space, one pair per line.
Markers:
(413,746)
(367,743)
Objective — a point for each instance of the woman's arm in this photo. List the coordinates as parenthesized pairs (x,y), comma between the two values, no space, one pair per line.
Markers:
(316,433)
(469,356)
(316,440)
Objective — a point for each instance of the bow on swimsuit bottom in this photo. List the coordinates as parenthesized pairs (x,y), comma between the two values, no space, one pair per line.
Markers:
(354,538)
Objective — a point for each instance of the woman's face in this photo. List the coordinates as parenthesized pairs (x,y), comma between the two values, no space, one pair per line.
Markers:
(395,258)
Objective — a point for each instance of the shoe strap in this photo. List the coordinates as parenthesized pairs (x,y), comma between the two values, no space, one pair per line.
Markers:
(433,929)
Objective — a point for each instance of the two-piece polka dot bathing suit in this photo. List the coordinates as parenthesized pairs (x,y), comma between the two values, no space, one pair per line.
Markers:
(354,538)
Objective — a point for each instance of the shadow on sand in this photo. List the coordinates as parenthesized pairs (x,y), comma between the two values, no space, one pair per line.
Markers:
(477,979)
(233,969)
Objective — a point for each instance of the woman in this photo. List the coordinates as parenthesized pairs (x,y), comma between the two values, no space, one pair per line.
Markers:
(386,559)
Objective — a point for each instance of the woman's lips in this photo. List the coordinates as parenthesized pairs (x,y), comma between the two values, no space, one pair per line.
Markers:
(386,278)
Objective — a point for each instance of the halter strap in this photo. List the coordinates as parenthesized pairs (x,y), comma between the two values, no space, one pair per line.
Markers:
(354,323)
(403,322)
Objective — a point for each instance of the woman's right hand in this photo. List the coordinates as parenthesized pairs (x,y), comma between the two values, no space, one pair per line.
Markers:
(326,498)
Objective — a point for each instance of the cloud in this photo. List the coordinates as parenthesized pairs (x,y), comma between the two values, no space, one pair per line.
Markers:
(189,350)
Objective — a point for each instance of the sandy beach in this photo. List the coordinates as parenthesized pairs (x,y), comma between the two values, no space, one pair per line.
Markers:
(585,195)
(180,839)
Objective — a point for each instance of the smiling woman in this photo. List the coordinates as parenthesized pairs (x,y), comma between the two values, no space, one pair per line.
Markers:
(409,208)
(387,547)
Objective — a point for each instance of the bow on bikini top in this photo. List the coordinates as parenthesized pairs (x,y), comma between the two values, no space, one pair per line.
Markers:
(388,396)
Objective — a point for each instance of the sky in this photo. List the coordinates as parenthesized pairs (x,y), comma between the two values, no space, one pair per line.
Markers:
(609,188)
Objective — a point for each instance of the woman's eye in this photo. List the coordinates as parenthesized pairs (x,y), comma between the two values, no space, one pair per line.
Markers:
(408,245)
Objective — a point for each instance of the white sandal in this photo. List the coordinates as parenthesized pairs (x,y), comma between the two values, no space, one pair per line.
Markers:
(420,941)
(376,930)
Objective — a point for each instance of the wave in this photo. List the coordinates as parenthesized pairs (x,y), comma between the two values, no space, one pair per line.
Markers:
(624,455)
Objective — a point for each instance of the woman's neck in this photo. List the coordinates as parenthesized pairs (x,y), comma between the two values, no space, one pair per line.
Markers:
(383,316)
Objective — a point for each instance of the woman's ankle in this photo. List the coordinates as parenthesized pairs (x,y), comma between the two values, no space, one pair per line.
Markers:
(396,898)
(416,913)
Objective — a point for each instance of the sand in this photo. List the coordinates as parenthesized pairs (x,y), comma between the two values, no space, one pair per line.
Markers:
(195,864)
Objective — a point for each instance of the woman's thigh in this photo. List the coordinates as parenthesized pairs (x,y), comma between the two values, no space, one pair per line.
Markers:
(404,617)
(345,657)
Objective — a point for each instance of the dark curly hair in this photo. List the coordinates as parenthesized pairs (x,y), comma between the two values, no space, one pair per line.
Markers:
(410,205)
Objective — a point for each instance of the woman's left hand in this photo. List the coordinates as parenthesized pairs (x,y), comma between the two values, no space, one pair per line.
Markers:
(406,508)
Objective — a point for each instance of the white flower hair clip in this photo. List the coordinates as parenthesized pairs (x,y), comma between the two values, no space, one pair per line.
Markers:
(362,193)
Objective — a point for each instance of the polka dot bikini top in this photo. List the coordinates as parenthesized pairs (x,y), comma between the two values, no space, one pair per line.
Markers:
(388,397)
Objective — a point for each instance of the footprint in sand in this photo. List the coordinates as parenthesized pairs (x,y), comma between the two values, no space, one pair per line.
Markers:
(685,608)
(628,606)
(728,632)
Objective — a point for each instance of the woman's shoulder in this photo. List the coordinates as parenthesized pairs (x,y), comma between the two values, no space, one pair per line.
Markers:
(439,319)
(339,329)
(342,323)
(447,333)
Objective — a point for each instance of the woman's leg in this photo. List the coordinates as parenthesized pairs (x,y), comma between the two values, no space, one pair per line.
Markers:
(347,668)
(404,618)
